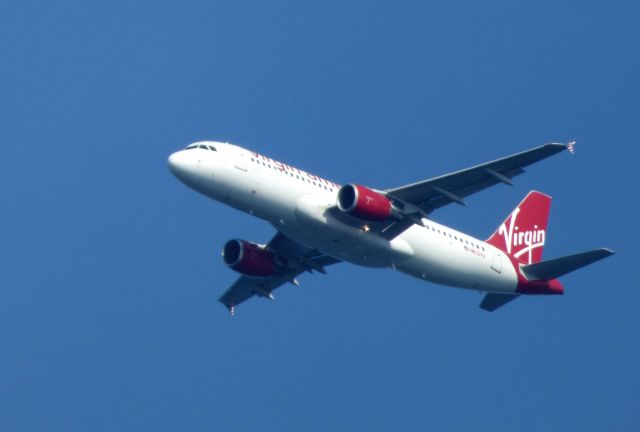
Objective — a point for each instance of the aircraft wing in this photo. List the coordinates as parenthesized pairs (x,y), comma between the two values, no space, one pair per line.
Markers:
(294,259)
(436,192)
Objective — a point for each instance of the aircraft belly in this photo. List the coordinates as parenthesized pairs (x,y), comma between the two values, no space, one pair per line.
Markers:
(317,228)
(445,262)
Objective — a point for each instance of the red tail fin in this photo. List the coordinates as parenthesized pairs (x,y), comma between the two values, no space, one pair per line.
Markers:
(523,233)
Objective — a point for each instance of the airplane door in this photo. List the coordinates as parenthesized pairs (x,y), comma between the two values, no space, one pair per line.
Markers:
(241,162)
(496,264)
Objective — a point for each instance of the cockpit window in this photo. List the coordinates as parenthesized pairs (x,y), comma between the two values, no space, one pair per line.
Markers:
(207,147)
(201,146)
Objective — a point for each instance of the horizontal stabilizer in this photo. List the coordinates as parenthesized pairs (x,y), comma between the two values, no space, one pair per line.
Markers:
(555,268)
(492,301)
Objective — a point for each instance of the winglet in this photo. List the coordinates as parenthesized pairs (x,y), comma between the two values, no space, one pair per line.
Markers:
(571,147)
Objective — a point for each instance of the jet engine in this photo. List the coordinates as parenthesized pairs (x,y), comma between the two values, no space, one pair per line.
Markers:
(364,203)
(248,258)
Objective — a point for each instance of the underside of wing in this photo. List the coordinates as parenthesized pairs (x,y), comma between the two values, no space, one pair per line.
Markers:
(246,287)
(293,259)
(439,191)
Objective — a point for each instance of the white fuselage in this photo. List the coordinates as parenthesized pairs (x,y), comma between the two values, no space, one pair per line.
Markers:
(297,204)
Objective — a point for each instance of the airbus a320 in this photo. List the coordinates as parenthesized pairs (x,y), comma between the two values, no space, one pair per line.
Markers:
(320,223)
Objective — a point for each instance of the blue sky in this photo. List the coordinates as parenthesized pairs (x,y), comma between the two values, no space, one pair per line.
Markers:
(110,268)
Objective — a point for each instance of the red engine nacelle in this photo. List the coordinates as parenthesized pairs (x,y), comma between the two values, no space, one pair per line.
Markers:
(248,258)
(364,203)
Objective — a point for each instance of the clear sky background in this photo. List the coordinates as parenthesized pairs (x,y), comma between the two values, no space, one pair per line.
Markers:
(110,268)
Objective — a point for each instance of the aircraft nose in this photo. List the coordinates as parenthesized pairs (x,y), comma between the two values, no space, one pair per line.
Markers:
(179,164)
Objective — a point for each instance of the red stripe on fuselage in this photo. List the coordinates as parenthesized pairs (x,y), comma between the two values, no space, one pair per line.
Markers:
(285,167)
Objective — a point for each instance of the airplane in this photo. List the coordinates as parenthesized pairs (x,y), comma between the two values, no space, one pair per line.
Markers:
(320,223)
